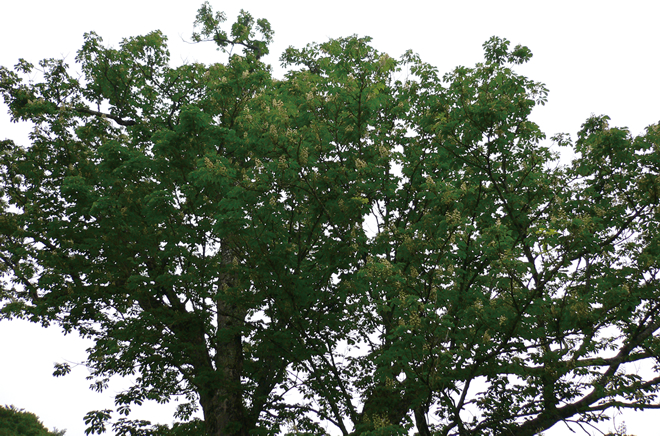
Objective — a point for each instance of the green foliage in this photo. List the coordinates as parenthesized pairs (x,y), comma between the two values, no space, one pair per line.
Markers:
(18,422)
(191,428)
(242,32)
(341,246)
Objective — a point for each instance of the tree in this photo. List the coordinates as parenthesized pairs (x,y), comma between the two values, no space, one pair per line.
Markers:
(18,422)
(338,247)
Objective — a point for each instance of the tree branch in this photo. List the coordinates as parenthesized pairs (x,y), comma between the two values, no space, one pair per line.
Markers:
(116,119)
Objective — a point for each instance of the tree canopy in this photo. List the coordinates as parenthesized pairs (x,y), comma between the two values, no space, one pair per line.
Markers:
(363,246)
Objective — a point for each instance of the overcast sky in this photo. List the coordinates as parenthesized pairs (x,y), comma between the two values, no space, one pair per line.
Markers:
(596,57)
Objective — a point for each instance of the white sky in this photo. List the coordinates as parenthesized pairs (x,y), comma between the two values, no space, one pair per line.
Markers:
(596,57)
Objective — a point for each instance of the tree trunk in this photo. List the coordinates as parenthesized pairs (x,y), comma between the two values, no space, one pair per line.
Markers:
(224,414)
(221,397)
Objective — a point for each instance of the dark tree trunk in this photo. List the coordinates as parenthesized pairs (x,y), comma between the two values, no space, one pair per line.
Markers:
(224,414)
(420,421)
(221,396)
(221,393)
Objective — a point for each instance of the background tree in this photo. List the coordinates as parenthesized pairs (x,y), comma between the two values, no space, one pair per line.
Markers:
(18,422)
(344,246)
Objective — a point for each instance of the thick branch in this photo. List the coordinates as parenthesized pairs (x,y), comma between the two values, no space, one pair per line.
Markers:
(118,120)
